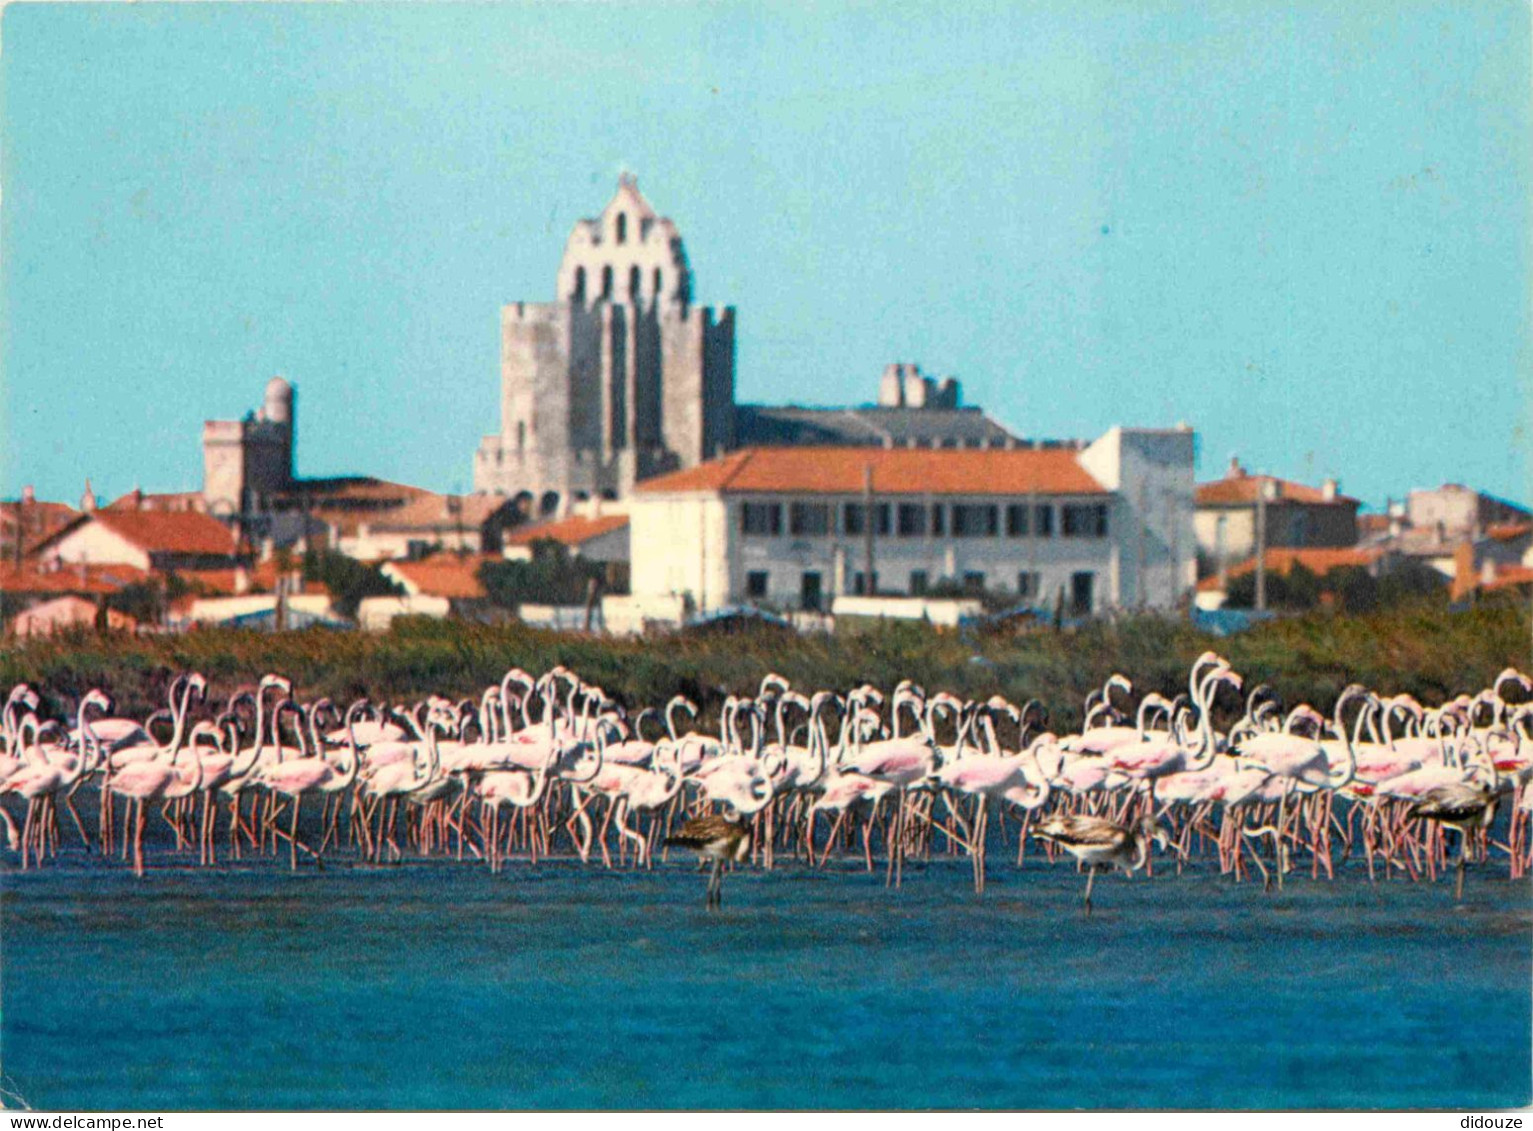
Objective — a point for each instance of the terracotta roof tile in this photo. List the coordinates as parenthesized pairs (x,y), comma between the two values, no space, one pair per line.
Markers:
(175,501)
(896,471)
(262,578)
(178,532)
(1236,490)
(41,520)
(1319,561)
(1508,531)
(428,511)
(1508,576)
(442,575)
(341,489)
(573,531)
(68,578)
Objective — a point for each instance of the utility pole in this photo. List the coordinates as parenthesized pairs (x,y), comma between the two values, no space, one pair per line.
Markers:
(867,529)
(455,508)
(1144,529)
(1176,546)
(1034,579)
(1261,544)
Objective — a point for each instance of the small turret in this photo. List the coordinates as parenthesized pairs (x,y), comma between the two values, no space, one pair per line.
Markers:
(277,406)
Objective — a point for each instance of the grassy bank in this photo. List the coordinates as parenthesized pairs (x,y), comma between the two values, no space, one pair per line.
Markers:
(1422,649)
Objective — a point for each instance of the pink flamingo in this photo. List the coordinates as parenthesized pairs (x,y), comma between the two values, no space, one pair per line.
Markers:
(142,782)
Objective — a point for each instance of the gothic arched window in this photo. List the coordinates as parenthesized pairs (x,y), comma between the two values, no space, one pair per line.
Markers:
(658,277)
(633,282)
(580,285)
(606,282)
(622,227)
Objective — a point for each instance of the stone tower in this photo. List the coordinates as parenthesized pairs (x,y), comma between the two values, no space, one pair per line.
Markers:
(620,379)
(245,460)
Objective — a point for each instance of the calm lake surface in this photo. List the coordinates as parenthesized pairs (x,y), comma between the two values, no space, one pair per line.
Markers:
(559,986)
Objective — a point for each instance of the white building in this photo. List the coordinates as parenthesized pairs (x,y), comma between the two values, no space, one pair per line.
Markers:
(1103,525)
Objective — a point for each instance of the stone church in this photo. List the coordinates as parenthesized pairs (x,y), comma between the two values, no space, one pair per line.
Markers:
(621,378)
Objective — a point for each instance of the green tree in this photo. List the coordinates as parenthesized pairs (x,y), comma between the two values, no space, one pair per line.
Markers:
(347,579)
(552,577)
(1356,590)
(1411,580)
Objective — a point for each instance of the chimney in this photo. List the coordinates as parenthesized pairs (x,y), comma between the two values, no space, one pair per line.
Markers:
(1328,489)
(88,500)
(28,495)
(1235,471)
(241,581)
(138,498)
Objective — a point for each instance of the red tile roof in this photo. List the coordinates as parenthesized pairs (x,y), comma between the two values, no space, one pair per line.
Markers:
(896,471)
(1319,561)
(68,578)
(1508,576)
(1508,531)
(439,512)
(41,519)
(176,532)
(1242,489)
(358,488)
(573,531)
(262,578)
(137,500)
(442,575)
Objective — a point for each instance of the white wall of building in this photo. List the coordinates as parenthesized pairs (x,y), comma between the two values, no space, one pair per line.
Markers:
(839,558)
(1154,544)
(609,547)
(374,544)
(375,614)
(95,544)
(680,547)
(692,544)
(1238,540)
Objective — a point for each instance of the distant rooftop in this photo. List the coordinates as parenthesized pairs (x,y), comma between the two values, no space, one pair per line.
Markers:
(913,410)
(893,471)
(1240,488)
(871,425)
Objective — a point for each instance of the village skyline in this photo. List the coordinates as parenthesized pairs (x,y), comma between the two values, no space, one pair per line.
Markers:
(1301,232)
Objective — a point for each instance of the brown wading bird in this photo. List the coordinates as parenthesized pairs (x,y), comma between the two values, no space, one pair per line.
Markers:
(716,838)
(1463,807)
(1098,842)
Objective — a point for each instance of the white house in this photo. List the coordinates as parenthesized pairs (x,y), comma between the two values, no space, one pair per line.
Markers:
(1103,525)
(146,540)
(600,536)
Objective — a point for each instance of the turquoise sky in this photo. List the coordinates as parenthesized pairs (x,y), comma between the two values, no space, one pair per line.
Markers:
(1303,228)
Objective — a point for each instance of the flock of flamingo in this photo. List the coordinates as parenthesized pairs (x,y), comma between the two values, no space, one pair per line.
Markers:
(544,765)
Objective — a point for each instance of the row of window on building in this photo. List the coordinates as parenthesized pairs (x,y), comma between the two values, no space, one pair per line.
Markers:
(920,520)
(811,586)
(635,277)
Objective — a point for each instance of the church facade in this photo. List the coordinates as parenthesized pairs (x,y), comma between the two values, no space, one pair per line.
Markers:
(620,379)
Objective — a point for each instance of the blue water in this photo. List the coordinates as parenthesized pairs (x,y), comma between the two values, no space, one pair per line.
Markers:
(442,986)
